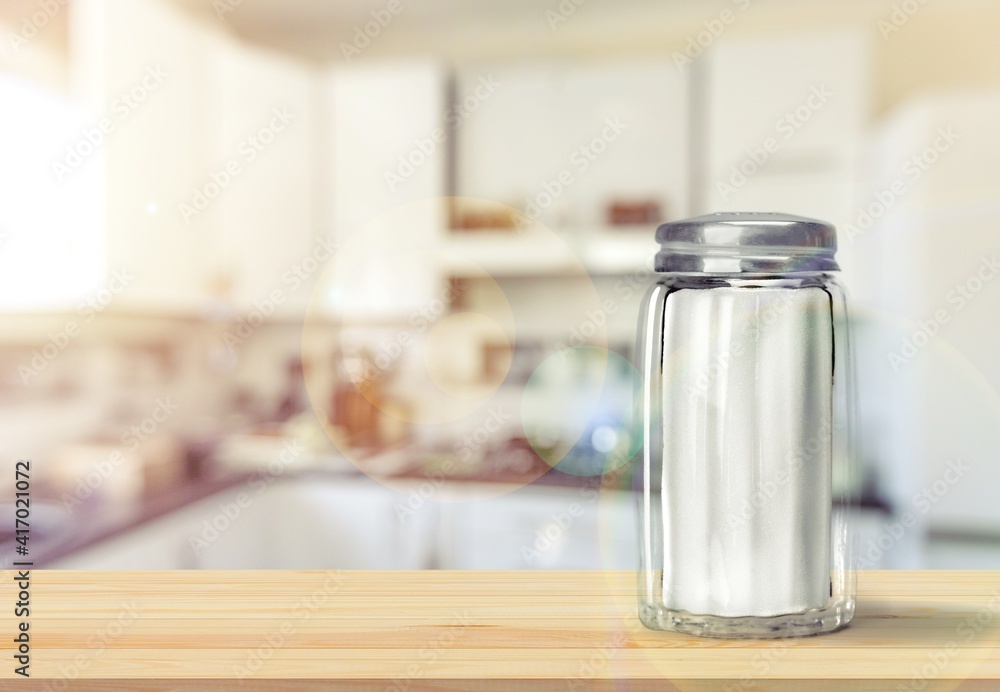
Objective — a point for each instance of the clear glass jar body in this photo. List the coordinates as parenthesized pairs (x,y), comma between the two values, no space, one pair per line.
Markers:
(747,473)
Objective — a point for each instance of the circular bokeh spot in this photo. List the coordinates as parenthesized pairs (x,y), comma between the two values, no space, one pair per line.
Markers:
(451,367)
(578,410)
(418,341)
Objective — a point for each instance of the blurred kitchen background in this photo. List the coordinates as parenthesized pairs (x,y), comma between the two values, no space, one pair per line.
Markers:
(354,284)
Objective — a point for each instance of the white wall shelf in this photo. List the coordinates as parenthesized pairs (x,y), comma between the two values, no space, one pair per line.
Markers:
(506,253)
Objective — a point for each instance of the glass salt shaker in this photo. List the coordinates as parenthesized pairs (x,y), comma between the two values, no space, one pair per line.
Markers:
(747,466)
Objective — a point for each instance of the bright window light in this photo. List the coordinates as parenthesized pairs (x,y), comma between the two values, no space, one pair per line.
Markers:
(53,251)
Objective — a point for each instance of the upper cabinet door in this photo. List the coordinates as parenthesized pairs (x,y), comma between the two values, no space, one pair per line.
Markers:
(386,139)
(386,154)
(781,127)
(210,157)
(784,103)
(261,154)
(138,68)
(561,142)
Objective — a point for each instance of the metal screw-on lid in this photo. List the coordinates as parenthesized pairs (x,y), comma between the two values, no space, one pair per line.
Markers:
(746,242)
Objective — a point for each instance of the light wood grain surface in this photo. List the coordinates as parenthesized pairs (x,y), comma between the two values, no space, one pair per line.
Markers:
(397,630)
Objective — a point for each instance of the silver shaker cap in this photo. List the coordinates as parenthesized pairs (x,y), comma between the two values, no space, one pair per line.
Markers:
(746,242)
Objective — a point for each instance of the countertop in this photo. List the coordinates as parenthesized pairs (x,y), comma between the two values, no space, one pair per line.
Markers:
(525,630)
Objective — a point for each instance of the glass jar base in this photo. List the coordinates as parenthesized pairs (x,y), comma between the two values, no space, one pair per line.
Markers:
(811,622)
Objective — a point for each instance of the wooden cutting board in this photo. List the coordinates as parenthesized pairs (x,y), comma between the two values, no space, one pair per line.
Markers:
(523,630)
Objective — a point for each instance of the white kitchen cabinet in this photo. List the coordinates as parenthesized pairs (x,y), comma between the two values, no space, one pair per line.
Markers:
(827,192)
(783,122)
(138,67)
(385,151)
(159,544)
(140,550)
(931,240)
(300,522)
(213,533)
(329,522)
(350,523)
(260,140)
(212,163)
(570,138)
(541,527)
(807,92)
(880,545)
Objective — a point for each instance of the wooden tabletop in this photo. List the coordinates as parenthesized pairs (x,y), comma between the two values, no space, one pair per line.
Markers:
(523,630)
